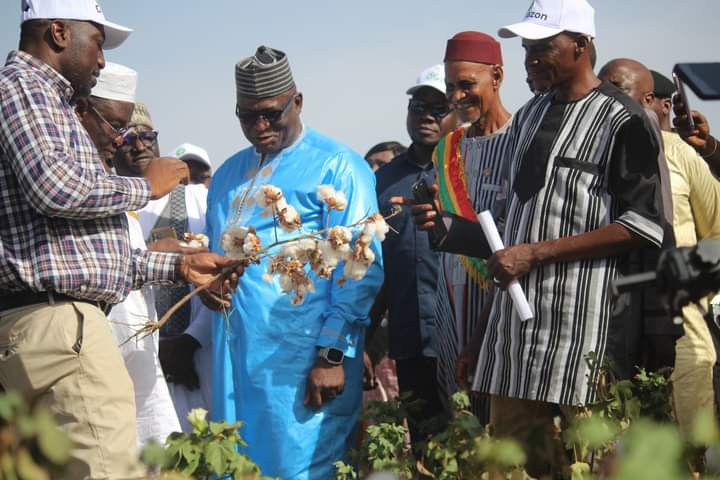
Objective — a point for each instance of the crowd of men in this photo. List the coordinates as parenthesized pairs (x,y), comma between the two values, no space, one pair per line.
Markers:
(587,182)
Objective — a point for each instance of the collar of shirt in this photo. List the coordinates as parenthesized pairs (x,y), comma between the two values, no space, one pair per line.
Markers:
(26,61)
(412,159)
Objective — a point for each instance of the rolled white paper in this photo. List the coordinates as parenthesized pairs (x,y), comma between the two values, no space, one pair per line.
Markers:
(522,307)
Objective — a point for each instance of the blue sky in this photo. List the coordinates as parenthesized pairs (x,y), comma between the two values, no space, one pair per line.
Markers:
(353,60)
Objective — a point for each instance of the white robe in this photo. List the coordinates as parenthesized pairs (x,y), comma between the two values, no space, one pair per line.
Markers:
(200,326)
(155,413)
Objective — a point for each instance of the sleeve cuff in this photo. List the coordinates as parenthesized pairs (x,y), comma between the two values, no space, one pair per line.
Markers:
(137,190)
(345,336)
(639,225)
(154,267)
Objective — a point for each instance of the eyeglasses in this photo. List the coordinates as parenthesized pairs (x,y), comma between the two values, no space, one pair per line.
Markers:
(117,133)
(132,136)
(249,117)
(438,111)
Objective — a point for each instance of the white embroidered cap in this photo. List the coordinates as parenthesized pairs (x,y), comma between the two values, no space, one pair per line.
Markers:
(116,82)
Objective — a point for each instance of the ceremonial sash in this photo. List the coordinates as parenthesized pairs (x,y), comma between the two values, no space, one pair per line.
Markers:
(454,195)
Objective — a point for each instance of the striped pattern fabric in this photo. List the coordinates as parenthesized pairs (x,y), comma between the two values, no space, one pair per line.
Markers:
(460,298)
(602,169)
(265,74)
(62,219)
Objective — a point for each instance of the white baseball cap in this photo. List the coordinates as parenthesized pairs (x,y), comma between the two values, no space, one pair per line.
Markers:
(547,18)
(85,10)
(188,151)
(430,77)
(116,82)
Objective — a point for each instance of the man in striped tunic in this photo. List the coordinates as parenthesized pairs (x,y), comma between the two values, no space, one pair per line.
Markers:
(470,176)
(584,193)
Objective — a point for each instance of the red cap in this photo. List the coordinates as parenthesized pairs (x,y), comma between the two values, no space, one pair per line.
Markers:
(473,47)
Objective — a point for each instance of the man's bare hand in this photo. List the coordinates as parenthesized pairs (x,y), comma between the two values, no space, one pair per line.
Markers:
(173,245)
(217,300)
(511,263)
(423,213)
(201,268)
(368,373)
(164,174)
(324,383)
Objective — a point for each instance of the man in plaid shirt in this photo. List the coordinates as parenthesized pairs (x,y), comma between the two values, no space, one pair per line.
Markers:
(64,247)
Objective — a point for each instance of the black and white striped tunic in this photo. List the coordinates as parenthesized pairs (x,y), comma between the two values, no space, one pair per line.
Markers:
(459,299)
(602,169)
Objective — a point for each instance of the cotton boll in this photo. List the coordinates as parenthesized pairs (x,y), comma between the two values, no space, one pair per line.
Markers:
(324,192)
(290,219)
(381,226)
(354,270)
(251,246)
(281,205)
(286,284)
(232,241)
(338,236)
(368,255)
(340,201)
(292,250)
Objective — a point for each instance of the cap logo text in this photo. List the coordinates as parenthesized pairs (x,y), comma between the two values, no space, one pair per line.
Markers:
(538,15)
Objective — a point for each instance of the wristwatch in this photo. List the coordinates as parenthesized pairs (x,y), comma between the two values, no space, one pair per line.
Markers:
(333,356)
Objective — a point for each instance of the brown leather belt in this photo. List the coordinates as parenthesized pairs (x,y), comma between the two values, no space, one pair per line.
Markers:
(24,299)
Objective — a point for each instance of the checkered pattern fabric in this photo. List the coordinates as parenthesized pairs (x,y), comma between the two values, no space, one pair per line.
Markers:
(62,222)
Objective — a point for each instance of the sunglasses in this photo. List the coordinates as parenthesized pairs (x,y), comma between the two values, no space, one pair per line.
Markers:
(438,111)
(249,117)
(132,136)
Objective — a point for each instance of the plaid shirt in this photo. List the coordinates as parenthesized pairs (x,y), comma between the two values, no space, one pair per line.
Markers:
(62,222)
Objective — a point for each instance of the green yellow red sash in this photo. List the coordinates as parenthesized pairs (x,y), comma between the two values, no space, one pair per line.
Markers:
(454,196)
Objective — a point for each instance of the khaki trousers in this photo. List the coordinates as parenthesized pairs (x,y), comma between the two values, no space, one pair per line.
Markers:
(64,357)
(692,377)
(532,424)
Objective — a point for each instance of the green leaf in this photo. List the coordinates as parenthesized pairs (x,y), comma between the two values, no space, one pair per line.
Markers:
(155,455)
(215,458)
(507,453)
(53,442)
(11,405)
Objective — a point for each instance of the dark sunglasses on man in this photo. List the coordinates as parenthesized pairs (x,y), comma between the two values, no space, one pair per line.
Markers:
(147,137)
(436,110)
(250,117)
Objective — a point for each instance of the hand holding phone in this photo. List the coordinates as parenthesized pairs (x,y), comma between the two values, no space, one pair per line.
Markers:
(422,195)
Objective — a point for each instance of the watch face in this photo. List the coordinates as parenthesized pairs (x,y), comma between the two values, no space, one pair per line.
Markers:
(335,355)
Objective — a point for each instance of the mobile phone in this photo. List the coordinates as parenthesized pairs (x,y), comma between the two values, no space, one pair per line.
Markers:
(421,194)
(680,87)
(702,78)
(162,232)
